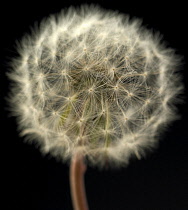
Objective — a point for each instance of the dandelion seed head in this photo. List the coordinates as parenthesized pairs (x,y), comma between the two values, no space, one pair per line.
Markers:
(96,82)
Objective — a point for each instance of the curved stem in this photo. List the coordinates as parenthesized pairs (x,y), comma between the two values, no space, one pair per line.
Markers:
(77,171)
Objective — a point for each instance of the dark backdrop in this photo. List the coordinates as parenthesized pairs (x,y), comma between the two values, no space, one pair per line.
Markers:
(33,182)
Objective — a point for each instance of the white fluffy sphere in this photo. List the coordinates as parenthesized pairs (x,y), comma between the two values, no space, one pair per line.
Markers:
(93,81)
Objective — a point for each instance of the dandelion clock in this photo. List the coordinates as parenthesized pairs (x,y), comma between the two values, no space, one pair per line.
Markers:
(95,87)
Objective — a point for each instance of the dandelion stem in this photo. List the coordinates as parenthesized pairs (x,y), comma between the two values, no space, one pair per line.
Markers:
(77,170)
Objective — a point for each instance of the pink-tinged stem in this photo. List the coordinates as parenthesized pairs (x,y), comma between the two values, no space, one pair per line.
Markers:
(77,171)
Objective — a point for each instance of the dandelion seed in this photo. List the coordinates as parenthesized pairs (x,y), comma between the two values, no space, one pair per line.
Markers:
(91,66)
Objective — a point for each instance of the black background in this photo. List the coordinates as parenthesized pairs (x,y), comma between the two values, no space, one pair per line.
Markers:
(157,182)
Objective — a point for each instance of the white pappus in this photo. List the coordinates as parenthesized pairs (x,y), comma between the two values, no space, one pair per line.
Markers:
(94,81)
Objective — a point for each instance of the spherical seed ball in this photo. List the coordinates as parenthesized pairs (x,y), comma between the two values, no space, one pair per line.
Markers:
(96,82)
